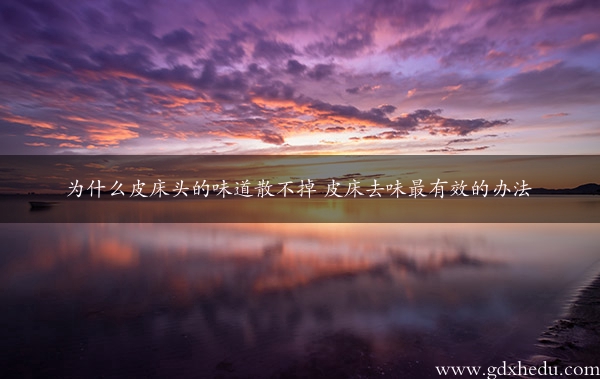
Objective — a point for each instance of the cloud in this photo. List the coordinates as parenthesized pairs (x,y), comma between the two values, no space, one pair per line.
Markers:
(27,121)
(227,51)
(56,136)
(590,37)
(458,150)
(389,135)
(453,48)
(460,140)
(507,14)
(386,108)
(123,73)
(321,71)
(374,116)
(273,90)
(559,84)
(179,39)
(414,45)
(347,43)
(404,14)
(462,127)
(571,8)
(425,119)
(335,129)
(554,115)
(268,136)
(294,67)
(273,50)
(362,89)
(37,144)
(468,51)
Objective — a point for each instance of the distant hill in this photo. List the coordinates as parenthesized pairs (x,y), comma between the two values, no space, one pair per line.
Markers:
(584,189)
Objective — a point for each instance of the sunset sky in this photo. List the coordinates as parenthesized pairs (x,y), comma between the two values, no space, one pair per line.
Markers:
(280,77)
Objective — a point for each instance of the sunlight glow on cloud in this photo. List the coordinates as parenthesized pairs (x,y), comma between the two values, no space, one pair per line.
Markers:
(122,76)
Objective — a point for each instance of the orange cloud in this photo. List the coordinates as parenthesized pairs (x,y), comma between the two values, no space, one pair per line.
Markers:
(553,115)
(36,144)
(70,145)
(174,101)
(58,136)
(111,132)
(109,137)
(113,123)
(590,37)
(541,66)
(29,122)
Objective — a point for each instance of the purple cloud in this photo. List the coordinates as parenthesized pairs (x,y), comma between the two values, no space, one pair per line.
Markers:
(75,74)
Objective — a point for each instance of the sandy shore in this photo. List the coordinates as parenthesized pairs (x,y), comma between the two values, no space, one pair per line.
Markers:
(573,340)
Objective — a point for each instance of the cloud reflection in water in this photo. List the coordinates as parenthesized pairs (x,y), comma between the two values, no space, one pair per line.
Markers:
(272,299)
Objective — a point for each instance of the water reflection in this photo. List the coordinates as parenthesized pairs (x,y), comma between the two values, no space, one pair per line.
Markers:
(534,209)
(282,300)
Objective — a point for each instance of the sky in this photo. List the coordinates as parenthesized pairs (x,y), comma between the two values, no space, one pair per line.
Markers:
(281,77)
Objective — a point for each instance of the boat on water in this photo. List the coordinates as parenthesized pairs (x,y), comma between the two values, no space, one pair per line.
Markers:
(42,204)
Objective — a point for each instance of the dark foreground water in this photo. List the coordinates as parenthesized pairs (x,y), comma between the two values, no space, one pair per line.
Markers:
(281,300)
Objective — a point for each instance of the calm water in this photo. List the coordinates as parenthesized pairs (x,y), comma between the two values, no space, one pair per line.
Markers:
(537,208)
(282,300)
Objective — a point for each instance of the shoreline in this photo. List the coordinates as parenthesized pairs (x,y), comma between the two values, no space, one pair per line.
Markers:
(574,339)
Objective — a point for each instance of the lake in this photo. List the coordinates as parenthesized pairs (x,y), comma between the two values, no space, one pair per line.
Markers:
(282,300)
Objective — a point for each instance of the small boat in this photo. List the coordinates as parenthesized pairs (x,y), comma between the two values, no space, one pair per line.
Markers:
(42,204)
